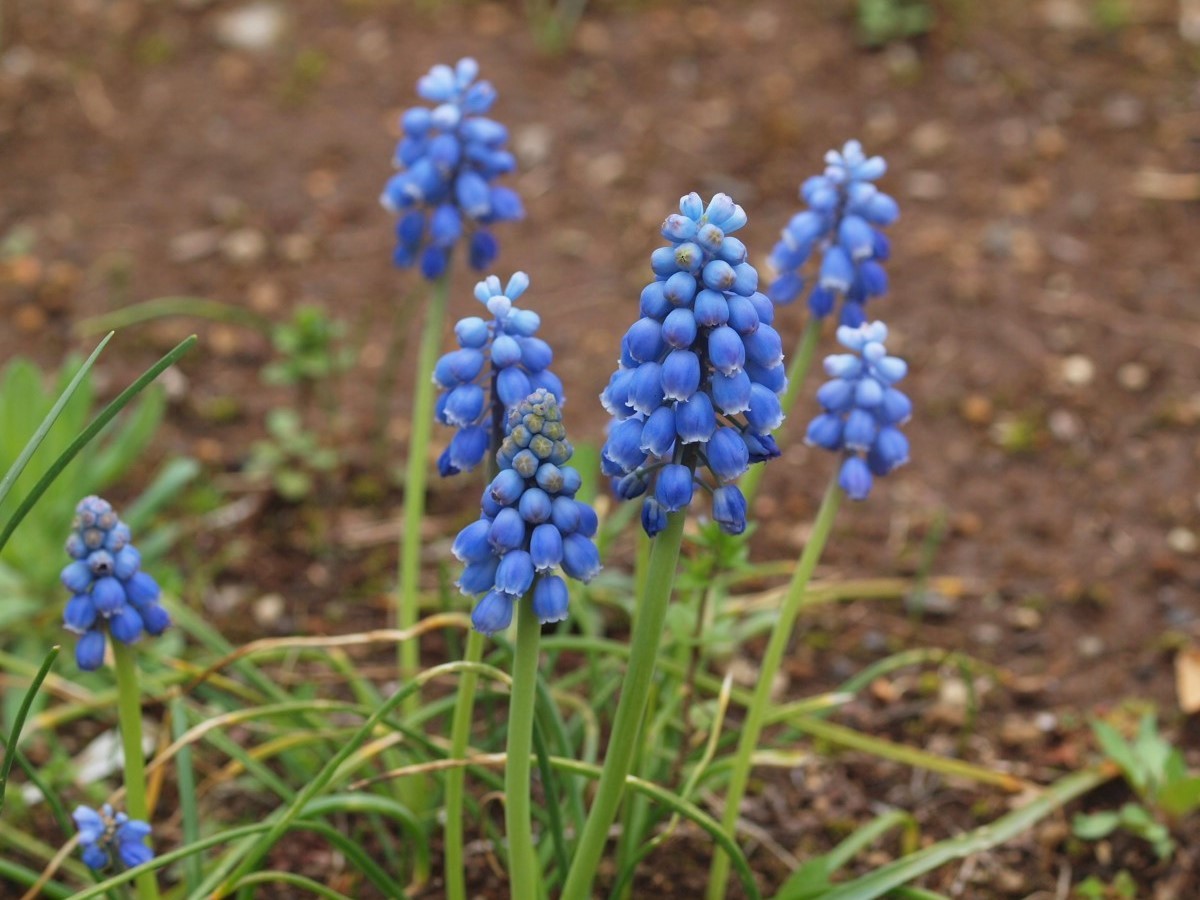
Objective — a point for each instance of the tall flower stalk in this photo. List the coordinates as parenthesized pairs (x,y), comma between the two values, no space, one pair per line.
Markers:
(443,195)
(497,364)
(694,400)
(862,414)
(530,526)
(113,597)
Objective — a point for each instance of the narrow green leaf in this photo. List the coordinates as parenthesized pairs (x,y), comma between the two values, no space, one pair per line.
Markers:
(14,736)
(85,437)
(35,441)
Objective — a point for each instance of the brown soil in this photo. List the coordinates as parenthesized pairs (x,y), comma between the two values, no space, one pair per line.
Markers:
(1043,289)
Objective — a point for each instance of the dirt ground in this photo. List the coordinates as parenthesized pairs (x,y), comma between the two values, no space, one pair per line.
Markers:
(1043,277)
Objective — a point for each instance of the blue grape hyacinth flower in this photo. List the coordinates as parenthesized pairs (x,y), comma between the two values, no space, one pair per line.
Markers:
(498,364)
(104,835)
(109,592)
(701,373)
(448,159)
(843,226)
(863,409)
(530,524)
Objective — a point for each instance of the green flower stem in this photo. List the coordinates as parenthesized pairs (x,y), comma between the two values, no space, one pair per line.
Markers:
(797,374)
(129,713)
(522,857)
(760,703)
(631,709)
(460,732)
(408,605)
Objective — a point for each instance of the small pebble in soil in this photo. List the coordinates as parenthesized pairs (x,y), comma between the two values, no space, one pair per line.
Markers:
(1133,376)
(244,246)
(255,27)
(989,634)
(268,609)
(1077,370)
(1025,618)
(193,245)
(930,139)
(1090,646)
(1064,425)
(930,603)
(1183,541)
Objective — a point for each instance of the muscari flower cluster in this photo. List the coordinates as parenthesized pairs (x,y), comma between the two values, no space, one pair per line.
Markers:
(103,834)
(448,158)
(700,372)
(476,396)
(109,590)
(863,411)
(530,524)
(843,224)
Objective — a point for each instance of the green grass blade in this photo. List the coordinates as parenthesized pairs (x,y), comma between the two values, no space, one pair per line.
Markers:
(51,890)
(907,868)
(85,437)
(11,476)
(307,885)
(185,776)
(165,307)
(10,745)
(550,785)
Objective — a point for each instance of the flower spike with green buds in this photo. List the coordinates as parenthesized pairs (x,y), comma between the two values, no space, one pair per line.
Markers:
(530,525)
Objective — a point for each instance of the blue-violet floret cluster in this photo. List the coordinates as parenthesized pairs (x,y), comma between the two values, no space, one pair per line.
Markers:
(109,590)
(103,834)
(700,373)
(530,525)
(448,158)
(863,410)
(843,224)
(475,397)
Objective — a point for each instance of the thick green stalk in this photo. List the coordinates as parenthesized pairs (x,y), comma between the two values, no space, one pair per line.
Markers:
(760,703)
(421,427)
(631,709)
(460,732)
(129,713)
(518,821)
(797,374)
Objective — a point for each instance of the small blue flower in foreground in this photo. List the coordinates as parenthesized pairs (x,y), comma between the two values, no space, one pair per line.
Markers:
(102,834)
(530,525)
(863,411)
(109,590)
(700,372)
(448,158)
(475,396)
(843,222)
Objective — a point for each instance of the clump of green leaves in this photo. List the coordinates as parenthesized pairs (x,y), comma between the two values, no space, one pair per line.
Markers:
(309,348)
(292,458)
(31,560)
(882,21)
(1158,775)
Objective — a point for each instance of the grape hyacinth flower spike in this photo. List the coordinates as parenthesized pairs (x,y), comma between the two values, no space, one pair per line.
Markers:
(700,375)
(863,411)
(110,593)
(843,225)
(530,524)
(498,363)
(104,835)
(448,159)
